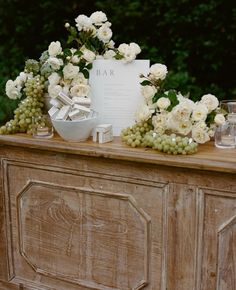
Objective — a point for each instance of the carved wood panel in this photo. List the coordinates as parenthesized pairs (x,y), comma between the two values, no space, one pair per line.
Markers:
(84,229)
(218,240)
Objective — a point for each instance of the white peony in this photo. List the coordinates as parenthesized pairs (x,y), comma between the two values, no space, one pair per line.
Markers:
(88,55)
(70,71)
(55,63)
(83,22)
(54,48)
(148,92)
(210,101)
(54,78)
(199,113)
(158,71)
(104,33)
(219,119)
(80,90)
(163,103)
(54,90)
(98,18)
(143,113)
(200,135)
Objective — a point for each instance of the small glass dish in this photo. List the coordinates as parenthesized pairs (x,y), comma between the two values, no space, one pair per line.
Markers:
(42,127)
(225,136)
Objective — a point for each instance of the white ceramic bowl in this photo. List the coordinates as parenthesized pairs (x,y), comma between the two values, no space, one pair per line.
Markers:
(75,131)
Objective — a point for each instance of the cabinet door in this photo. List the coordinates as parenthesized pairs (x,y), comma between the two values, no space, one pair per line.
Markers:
(218,240)
(78,229)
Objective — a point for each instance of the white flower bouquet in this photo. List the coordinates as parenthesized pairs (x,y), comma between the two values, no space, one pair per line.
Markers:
(165,113)
(64,70)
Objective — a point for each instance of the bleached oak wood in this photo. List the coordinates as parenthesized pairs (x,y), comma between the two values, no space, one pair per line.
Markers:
(82,216)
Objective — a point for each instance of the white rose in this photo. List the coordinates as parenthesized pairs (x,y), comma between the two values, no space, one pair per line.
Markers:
(79,90)
(181,112)
(83,22)
(183,127)
(79,79)
(200,135)
(111,44)
(70,71)
(104,33)
(148,92)
(54,48)
(129,56)
(12,91)
(135,47)
(54,79)
(88,55)
(185,101)
(55,63)
(163,103)
(53,90)
(159,122)
(143,113)
(123,48)
(200,124)
(200,112)
(21,79)
(98,18)
(219,119)
(75,59)
(109,54)
(158,71)
(210,101)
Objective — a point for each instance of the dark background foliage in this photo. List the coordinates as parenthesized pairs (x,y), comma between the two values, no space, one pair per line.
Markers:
(195,39)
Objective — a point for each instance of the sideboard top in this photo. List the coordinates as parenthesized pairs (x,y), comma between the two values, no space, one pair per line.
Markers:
(208,156)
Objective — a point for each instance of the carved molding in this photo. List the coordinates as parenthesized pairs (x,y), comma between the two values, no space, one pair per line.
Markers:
(226,266)
(37,214)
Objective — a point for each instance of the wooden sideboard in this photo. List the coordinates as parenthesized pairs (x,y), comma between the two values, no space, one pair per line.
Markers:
(82,216)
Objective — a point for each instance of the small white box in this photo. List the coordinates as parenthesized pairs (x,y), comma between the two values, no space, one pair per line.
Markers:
(53,112)
(103,133)
(63,113)
(82,101)
(64,99)
(77,115)
(56,103)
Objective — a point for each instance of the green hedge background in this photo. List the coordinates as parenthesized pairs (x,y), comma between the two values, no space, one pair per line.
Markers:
(195,39)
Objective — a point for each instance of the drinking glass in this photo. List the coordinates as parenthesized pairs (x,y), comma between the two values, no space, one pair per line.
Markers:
(42,127)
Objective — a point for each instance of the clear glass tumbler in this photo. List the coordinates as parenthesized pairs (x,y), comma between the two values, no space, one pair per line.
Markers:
(42,127)
(225,134)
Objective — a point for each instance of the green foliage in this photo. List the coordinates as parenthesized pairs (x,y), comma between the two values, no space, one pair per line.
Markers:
(195,39)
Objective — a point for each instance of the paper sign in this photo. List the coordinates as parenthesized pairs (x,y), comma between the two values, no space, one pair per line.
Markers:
(115,91)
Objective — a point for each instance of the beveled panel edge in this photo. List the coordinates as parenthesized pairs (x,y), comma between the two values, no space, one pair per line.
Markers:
(8,223)
(89,284)
(166,192)
(223,228)
(202,193)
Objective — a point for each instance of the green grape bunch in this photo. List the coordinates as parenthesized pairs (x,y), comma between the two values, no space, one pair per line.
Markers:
(142,135)
(29,107)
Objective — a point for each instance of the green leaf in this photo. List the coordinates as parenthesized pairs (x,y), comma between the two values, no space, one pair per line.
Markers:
(210,118)
(145,83)
(89,66)
(172,96)
(85,72)
(67,52)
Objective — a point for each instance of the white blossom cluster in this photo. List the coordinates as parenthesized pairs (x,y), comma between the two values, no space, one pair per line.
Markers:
(14,88)
(187,118)
(63,71)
